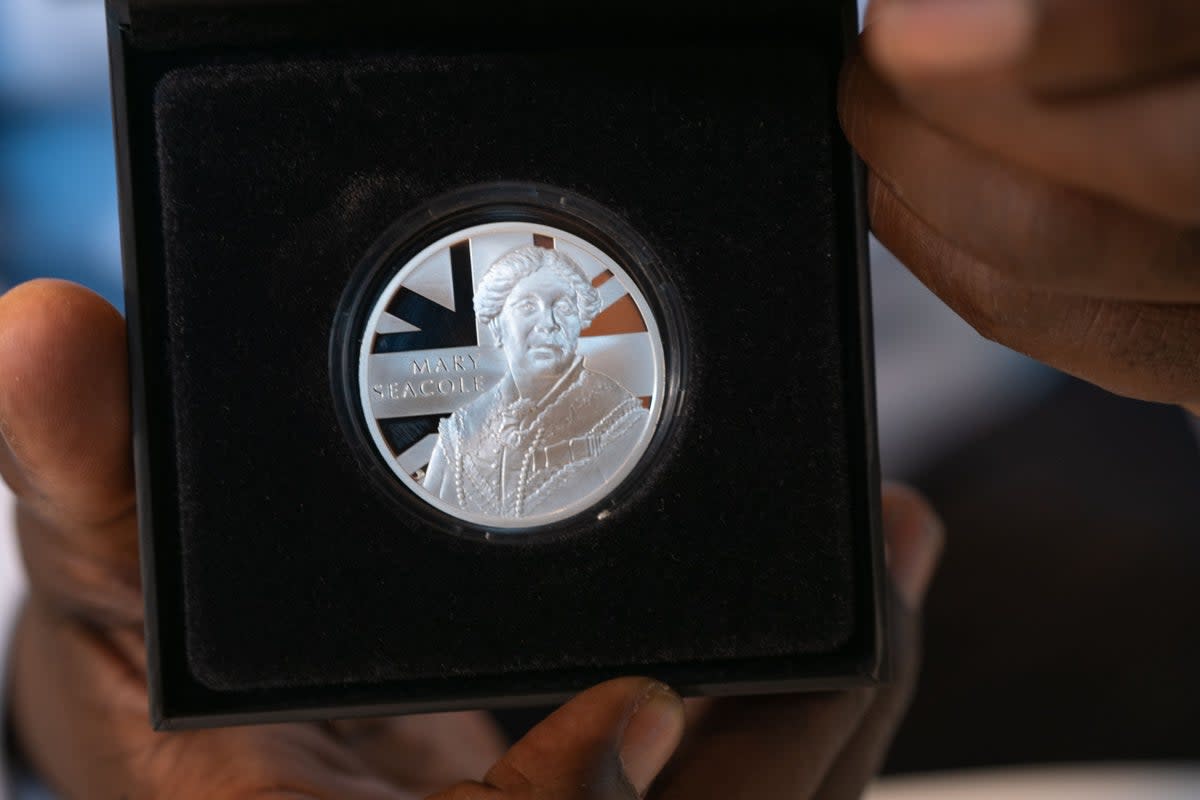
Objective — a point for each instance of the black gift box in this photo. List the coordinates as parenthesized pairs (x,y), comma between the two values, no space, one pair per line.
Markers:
(265,148)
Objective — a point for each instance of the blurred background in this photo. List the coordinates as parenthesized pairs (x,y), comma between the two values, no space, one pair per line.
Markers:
(1063,625)
(58,212)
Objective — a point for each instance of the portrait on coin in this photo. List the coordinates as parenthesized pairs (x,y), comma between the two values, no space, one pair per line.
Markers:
(551,431)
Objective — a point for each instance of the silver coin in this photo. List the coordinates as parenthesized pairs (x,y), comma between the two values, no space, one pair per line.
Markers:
(511,374)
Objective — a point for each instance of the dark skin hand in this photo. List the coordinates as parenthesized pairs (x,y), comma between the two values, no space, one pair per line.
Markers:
(77,693)
(1036,163)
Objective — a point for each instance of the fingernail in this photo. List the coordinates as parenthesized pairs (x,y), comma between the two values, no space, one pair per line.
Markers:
(651,736)
(932,37)
(914,571)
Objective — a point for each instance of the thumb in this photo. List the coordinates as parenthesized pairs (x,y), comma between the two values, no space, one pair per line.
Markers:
(64,401)
(609,743)
(65,447)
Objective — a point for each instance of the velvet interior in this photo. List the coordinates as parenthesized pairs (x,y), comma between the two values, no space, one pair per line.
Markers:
(277,177)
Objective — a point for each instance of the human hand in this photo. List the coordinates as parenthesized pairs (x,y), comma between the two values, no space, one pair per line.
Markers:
(1036,163)
(78,681)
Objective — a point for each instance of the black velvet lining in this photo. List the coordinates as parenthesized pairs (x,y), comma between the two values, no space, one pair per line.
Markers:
(276,178)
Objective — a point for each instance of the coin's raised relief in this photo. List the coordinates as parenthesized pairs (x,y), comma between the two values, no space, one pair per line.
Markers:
(511,374)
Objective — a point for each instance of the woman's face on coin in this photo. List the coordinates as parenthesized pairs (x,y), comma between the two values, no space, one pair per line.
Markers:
(539,325)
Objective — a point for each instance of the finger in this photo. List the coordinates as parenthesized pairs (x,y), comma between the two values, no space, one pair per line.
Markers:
(1051,45)
(64,400)
(331,787)
(915,539)
(339,787)
(1142,350)
(345,788)
(425,752)
(1027,228)
(1140,149)
(608,743)
(64,416)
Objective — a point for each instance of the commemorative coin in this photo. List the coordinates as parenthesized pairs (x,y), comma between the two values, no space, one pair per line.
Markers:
(511,374)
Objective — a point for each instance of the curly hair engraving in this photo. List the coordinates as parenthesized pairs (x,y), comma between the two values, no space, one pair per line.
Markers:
(511,269)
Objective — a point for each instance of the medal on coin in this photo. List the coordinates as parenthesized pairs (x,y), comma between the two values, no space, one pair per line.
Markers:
(511,374)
